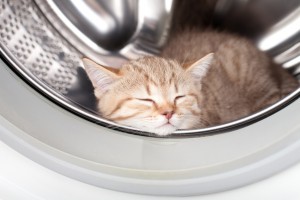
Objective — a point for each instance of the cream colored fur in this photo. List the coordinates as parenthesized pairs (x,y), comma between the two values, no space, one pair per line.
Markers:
(143,90)
(190,87)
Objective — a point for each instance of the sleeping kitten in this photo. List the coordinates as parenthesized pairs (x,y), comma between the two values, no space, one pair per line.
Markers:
(202,79)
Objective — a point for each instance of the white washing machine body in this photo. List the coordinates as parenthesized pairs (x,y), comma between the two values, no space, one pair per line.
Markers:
(22,178)
(54,145)
(41,160)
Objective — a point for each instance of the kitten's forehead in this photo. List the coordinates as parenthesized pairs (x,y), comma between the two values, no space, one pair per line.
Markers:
(154,77)
(155,69)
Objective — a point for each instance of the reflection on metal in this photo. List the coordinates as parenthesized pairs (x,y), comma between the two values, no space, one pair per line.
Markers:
(45,40)
(282,33)
(108,24)
(111,31)
(272,24)
(283,41)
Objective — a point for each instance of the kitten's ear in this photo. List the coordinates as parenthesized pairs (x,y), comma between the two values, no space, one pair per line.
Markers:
(102,77)
(200,68)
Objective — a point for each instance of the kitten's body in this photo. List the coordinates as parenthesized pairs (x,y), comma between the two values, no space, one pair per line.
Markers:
(180,91)
(242,80)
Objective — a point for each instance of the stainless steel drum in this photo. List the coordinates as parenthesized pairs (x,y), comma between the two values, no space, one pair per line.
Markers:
(44,41)
(41,45)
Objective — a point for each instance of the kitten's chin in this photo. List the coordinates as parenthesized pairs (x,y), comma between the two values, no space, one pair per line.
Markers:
(164,130)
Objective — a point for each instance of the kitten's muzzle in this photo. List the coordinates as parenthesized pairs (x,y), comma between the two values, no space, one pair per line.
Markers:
(168,114)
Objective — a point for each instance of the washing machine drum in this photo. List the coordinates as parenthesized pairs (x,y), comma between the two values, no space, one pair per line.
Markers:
(48,110)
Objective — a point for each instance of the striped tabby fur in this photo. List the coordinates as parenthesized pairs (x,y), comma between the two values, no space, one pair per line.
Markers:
(201,79)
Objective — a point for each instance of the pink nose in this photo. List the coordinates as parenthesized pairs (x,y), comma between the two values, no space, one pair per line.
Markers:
(168,115)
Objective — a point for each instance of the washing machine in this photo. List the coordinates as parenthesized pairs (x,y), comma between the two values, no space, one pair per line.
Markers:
(55,146)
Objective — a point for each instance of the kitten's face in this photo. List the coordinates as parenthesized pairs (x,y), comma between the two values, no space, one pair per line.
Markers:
(152,94)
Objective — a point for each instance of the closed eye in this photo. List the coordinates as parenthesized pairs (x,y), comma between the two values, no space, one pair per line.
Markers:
(179,97)
(146,100)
